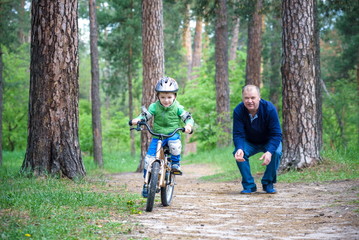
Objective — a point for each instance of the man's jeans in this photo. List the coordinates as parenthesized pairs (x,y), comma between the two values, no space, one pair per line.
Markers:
(270,174)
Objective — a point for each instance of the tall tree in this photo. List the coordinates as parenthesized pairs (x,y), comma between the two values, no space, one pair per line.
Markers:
(1,104)
(300,93)
(254,48)
(153,59)
(197,47)
(11,16)
(187,41)
(53,143)
(95,87)
(222,82)
(272,50)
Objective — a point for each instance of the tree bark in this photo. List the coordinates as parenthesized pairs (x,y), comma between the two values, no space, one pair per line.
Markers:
(254,49)
(1,101)
(130,99)
(95,88)
(222,84)
(300,93)
(197,49)
(53,143)
(234,39)
(275,61)
(186,42)
(153,60)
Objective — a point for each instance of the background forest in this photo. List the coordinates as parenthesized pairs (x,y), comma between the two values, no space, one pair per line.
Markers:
(120,60)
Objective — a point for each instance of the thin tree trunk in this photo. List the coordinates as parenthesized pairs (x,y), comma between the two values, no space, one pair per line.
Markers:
(275,61)
(222,84)
(95,88)
(234,40)
(1,101)
(299,73)
(319,130)
(130,99)
(53,142)
(254,49)
(153,60)
(197,43)
(186,42)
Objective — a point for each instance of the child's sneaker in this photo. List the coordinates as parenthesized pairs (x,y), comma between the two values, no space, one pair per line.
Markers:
(176,168)
(145,191)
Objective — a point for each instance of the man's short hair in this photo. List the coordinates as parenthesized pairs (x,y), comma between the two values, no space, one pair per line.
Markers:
(248,87)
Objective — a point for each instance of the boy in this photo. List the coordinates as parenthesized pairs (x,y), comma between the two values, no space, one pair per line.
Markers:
(167,113)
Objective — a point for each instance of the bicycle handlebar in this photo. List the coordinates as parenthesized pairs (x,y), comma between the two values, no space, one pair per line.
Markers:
(160,135)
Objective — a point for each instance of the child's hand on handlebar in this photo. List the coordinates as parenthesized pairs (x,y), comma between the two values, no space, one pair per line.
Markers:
(188,128)
(135,121)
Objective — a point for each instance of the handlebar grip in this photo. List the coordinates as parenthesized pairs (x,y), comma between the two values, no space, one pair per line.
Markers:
(130,122)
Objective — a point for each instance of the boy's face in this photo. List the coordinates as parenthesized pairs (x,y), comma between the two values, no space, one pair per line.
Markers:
(166,98)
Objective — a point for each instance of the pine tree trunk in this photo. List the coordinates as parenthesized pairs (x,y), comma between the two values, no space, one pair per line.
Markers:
(153,60)
(300,75)
(222,84)
(197,43)
(187,43)
(53,143)
(234,39)
(254,49)
(95,88)
(275,61)
(130,99)
(1,101)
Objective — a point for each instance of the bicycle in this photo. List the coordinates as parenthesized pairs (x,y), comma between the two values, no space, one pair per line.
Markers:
(159,176)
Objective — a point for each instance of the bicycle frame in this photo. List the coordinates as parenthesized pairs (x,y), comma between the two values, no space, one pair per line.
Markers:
(159,176)
(160,157)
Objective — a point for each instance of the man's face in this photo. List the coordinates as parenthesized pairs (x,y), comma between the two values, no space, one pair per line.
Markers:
(166,98)
(251,100)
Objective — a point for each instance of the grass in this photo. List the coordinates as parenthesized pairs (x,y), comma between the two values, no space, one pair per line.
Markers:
(50,208)
(336,165)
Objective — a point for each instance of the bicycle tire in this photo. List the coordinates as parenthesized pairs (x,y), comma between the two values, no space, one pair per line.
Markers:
(152,186)
(167,191)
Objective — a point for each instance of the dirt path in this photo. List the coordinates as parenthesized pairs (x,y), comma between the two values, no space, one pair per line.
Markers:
(207,210)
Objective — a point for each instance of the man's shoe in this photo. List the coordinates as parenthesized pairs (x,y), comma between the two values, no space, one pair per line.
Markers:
(249,190)
(269,189)
(145,191)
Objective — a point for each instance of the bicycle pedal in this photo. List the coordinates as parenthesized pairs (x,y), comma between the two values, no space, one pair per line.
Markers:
(177,172)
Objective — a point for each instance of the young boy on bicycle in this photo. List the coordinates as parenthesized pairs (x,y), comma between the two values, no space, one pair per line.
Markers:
(167,114)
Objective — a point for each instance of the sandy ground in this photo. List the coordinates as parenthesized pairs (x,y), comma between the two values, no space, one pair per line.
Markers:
(208,210)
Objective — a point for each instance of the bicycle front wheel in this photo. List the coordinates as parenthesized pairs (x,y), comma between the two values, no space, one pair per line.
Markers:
(152,186)
(167,191)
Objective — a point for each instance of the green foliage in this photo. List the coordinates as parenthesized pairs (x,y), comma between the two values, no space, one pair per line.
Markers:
(16,96)
(85,126)
(338,165)
(341,115)
(199,99)
(58,208)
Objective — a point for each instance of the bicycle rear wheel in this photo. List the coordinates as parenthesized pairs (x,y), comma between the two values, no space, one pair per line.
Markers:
(152,186)
(167,191)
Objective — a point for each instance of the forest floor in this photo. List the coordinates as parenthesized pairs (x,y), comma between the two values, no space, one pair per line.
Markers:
(217,210)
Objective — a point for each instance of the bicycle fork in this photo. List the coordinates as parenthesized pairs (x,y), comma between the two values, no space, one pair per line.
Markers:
(160,158)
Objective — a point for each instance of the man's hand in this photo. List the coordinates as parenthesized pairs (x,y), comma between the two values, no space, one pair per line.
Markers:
(239,155)
(266,157)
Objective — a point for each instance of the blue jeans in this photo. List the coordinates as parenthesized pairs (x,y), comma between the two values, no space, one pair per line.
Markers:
(270,174)
(151,151)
